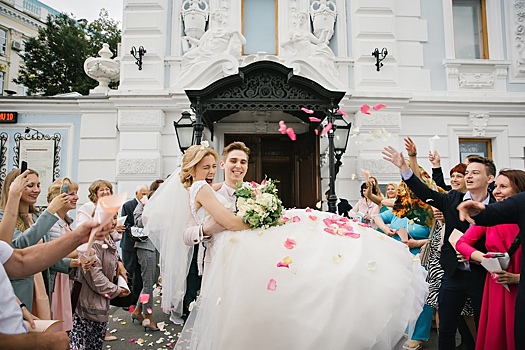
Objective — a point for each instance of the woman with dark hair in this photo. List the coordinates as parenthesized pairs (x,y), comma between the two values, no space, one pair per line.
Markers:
(365,207)
(496,322)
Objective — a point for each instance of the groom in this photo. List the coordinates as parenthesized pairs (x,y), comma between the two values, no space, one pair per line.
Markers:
(234,162)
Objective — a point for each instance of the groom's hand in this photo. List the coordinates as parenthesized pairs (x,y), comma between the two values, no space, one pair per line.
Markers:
(212,227)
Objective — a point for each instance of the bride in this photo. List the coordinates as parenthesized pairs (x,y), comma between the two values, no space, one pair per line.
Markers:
(309,284)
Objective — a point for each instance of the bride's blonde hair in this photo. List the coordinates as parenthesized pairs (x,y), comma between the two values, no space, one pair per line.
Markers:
(191,158)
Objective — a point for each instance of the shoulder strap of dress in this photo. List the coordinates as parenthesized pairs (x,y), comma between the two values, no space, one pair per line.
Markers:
(194,189)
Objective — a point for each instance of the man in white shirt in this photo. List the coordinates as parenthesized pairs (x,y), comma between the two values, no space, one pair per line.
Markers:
(234,162)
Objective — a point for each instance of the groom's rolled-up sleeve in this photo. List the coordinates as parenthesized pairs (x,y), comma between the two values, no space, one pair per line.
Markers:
(193,232)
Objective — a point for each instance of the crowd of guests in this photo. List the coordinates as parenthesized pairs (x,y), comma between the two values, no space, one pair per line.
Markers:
(61,286)
(421,212)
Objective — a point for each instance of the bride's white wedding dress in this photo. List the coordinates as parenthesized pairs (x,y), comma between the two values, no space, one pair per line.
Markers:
(334,292)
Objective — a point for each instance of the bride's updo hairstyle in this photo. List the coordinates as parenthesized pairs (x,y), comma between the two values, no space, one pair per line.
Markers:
(191,158)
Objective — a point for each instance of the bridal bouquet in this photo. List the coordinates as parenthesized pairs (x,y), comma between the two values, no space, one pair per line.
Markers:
(258,204)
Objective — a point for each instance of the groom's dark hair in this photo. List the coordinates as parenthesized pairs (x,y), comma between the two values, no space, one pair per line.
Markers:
(235,146)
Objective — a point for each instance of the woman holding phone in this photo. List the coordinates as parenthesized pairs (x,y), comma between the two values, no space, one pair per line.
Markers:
(32,228)
(60,292)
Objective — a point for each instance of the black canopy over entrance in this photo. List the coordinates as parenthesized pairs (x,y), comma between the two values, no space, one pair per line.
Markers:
(265,86)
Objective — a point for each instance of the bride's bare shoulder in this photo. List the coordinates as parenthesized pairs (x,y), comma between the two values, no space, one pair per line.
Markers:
(216,186)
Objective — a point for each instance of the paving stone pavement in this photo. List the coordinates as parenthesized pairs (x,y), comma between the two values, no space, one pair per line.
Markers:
(132,335)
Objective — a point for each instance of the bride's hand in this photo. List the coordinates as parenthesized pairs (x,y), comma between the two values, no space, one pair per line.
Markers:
(212,227)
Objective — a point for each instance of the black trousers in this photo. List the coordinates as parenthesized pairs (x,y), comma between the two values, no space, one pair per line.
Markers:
(193,281)
(452,296)
(131,263)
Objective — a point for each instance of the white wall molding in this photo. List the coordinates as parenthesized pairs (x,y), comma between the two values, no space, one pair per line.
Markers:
(140,120)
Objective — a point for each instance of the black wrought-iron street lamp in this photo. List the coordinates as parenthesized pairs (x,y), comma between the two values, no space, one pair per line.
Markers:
(185,131)
(337,142)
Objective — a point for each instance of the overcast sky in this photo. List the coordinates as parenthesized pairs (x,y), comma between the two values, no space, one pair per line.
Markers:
(88,9)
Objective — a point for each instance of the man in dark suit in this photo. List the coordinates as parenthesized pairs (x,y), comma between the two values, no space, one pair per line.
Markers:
(461,280)
(343,207)
(510,211)
(129,255)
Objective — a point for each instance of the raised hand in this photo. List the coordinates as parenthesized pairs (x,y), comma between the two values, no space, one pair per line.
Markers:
(435,159)
(393,156)
(410,147)
(468,209)
(58,203)
(18,186)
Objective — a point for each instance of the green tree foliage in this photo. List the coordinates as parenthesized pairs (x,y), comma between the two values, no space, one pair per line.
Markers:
(53,62)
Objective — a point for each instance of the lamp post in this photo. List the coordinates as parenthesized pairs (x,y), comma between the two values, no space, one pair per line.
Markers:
(337,142)
(184,128)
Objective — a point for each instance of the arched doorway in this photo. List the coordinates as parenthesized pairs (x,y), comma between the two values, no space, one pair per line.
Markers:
(271,86)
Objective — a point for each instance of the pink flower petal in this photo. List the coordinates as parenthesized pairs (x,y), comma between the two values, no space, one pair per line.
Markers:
(296,219)
(314,119)
(379,106)
(289,243)
(149,310)
(131,308)
(306,110)
(144,298)
(272,285)
(263,182)
(352,234)
(316,131)
(291,134)
(308,210)
(286,218)
(312,217)
(132,340)
(330,230)
(327,221)
(340,111)
(282,127)
(365,109)
(282,264)
(326,129)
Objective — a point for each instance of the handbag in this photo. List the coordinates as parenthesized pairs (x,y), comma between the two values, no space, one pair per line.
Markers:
(138,234)
(424,252)
(126,301)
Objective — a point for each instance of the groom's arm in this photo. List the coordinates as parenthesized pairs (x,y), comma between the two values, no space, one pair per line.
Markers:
(195,233)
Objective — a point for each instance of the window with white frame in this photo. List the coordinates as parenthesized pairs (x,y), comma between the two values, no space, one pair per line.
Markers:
(470,34)
(259,26)
(3,41)
(2,81)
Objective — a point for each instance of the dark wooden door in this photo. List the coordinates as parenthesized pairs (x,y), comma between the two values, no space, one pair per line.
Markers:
(294,164)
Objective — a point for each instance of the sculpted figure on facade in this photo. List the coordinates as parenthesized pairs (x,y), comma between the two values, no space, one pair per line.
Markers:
(217,40)
(324,14)
(302,43)
(194,16)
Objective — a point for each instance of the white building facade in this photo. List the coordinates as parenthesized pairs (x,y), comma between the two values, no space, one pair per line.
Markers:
(453,69)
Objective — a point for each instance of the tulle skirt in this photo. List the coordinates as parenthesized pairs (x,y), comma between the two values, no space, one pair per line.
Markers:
(300,287)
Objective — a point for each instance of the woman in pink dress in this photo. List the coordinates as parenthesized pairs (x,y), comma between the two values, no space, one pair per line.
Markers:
(496,322)
(60,292)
